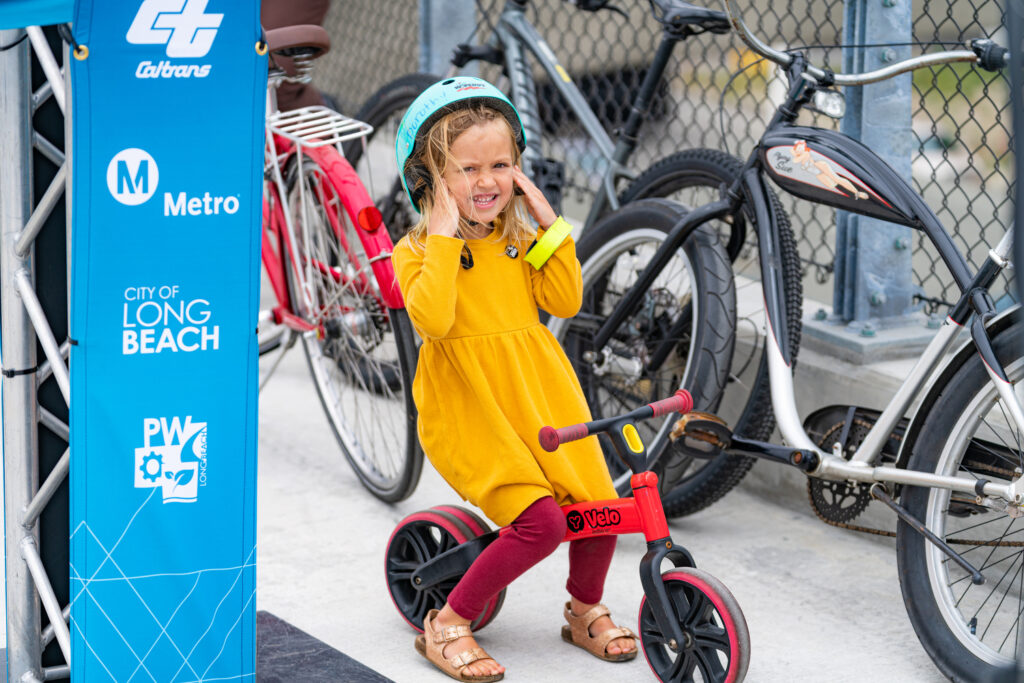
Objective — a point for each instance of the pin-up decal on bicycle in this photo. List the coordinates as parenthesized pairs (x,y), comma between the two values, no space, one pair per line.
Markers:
(805,165)
(830,168)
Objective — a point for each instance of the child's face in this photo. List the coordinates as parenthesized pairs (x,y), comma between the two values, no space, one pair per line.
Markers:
(479,173)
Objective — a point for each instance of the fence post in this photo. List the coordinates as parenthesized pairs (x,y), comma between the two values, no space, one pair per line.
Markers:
(443,25)
(873,297)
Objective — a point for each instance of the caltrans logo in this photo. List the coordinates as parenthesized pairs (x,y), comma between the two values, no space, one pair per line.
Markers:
(132,176)
(183,26)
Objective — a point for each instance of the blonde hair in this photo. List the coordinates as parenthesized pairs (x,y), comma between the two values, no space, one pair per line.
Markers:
(434,156)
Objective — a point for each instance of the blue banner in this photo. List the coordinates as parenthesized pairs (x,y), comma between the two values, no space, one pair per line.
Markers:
(167,159)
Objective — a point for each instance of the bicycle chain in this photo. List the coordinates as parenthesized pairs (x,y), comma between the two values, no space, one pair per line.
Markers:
(892,534)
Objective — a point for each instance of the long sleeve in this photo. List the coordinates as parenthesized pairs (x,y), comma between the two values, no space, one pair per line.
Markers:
(427,280)
(558,285)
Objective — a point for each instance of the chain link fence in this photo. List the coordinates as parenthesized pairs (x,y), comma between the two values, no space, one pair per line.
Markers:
(717,94)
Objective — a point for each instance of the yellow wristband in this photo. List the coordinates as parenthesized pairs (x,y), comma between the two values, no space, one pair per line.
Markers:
(545,247)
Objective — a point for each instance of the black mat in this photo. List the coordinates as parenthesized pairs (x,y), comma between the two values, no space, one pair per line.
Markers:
(284,653)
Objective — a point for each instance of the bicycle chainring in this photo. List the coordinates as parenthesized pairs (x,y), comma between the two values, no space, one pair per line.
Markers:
(840,502)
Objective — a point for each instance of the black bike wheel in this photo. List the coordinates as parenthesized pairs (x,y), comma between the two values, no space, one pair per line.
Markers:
(479,527)
(680,337)
(716,647)
(694,178)
(361,354)
(969,631)
(417,539)
(377,167)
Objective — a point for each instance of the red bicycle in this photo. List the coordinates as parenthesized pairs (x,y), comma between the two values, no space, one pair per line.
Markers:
(691,627)
(326,256)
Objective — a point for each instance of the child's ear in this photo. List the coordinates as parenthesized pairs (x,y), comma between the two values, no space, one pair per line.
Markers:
(516,190)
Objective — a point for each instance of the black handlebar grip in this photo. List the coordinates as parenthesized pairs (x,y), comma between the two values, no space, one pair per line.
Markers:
(680,402)
(550,438)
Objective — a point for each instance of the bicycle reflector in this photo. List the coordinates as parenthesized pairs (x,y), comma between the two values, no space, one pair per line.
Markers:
(369,218)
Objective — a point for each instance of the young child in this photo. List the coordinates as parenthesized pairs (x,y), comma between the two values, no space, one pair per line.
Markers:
(490,375)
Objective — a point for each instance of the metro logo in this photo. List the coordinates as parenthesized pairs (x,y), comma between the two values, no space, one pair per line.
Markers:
(132,176)
(181,25)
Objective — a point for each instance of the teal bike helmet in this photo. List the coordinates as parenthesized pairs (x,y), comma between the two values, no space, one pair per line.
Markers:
(435,102)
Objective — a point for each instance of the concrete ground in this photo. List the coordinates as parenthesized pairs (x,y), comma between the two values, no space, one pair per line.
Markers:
(822,604)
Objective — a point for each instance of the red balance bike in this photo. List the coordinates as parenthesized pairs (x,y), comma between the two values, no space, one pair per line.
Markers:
(691,627)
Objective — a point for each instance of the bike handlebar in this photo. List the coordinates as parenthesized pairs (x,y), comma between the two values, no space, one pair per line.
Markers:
(551,438)
(985,52)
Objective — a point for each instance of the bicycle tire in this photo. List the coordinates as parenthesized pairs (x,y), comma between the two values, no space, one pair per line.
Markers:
(693,168)
(362,354)
(419,538)
(966,628)
(694,178)
(708,613)
(384,110)
(693,301)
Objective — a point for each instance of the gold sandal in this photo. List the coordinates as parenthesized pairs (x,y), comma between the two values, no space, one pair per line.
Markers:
(431,644)
(578,633)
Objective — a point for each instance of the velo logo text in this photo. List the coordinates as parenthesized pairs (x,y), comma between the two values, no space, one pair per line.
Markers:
(595,519)
(184,27)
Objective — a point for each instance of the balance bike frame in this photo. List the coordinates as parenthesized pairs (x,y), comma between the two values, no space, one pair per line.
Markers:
(643,513)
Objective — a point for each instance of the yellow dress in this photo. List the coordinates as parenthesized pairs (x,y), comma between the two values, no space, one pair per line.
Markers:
(490,375)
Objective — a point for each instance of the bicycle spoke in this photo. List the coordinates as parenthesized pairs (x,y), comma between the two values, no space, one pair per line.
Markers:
(995,612)
(999,436)
(993,520)
(710,667)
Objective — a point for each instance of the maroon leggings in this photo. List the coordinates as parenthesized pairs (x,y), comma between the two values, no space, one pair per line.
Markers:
(534,535)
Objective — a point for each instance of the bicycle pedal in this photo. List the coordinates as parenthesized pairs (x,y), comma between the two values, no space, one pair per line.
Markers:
(700,435)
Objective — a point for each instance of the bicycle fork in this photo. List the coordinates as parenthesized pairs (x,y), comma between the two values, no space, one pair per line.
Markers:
(643,513)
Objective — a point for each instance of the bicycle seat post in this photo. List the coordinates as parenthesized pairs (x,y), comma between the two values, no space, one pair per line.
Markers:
(629,133)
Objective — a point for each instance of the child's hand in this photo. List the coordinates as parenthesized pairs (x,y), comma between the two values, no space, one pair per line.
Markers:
(536,202)
(444,219)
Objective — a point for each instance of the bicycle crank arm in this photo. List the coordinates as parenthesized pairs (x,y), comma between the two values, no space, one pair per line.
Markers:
(450,564)
(878,492)
(703,435)
(806,461)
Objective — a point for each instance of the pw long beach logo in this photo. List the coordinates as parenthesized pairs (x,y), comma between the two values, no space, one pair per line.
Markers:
(172,458)
(184,27)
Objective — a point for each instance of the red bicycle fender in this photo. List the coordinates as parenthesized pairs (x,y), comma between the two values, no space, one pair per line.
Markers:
(355,198)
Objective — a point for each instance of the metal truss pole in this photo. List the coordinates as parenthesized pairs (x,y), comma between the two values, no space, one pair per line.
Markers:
(22,326)
(18,346)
